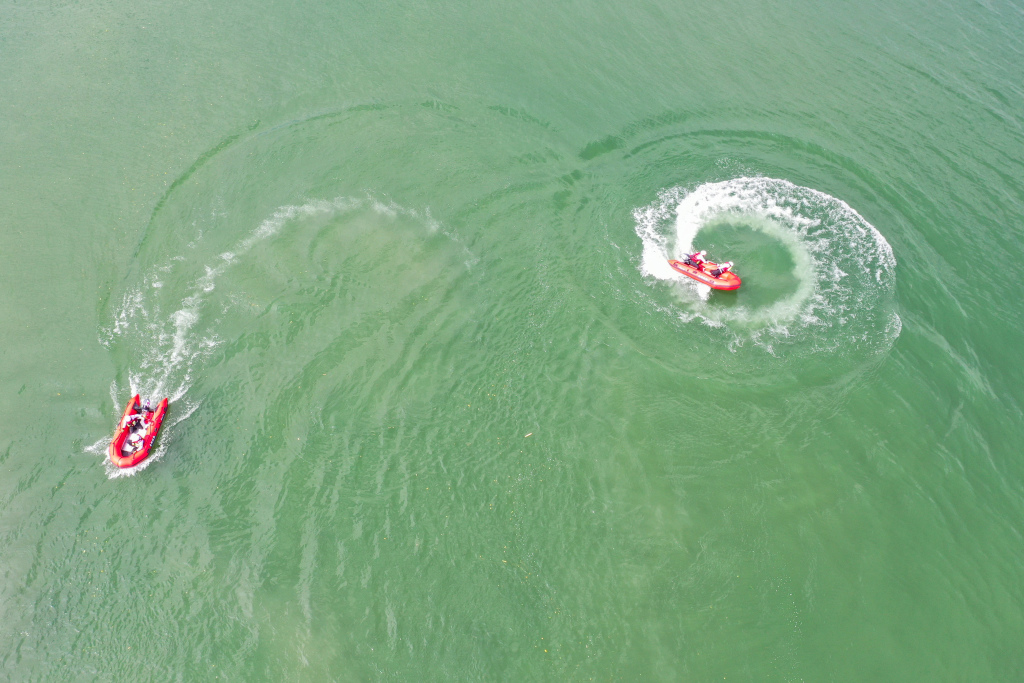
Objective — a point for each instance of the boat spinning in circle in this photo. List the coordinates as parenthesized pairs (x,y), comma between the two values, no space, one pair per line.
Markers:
(726,280)
(134,434)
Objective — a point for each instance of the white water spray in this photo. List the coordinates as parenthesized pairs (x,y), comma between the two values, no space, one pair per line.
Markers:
(170,346)
(844,268)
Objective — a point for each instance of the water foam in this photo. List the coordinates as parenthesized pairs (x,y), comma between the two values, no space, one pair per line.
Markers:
(843,266)
(170,346)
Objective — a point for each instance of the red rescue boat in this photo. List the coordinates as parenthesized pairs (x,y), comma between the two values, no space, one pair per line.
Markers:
(726,281)
(134,434)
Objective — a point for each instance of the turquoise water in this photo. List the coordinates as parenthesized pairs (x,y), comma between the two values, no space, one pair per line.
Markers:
(439,408)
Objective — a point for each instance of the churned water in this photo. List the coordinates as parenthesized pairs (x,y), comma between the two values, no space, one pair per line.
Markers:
(440,409)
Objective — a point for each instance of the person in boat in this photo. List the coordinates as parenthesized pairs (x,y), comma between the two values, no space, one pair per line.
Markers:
(132,421)
(144,414)
(722,269)
(135,441)
(696,260)
(143,408)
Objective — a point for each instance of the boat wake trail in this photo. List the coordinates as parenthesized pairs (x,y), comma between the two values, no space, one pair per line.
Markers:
(170,332)
(818,278)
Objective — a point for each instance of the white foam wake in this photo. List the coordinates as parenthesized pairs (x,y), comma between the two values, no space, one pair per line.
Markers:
(843,266)
(170,347)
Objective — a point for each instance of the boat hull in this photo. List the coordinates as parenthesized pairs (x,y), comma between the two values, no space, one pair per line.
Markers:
(727,281)
(118,454)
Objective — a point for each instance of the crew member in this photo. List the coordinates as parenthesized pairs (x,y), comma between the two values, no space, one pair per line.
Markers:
(696,260)
(722,269)
(136,440)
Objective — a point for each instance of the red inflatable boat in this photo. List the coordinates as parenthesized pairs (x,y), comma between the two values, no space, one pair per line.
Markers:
(134,434)
(726,281)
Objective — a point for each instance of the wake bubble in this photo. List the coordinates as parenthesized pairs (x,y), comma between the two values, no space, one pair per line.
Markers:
(171,346)
(834,292)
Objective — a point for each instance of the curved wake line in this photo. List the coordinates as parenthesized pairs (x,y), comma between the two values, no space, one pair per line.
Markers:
(843,266)
(172,350)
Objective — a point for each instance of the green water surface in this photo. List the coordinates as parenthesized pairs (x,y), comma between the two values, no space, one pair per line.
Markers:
(436,414)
